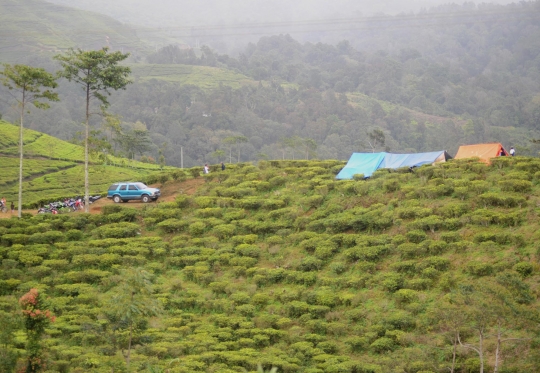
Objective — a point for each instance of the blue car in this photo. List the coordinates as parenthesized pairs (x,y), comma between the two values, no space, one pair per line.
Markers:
(125,191)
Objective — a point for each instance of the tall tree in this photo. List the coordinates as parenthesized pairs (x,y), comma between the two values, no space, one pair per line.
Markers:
(97,72)
(236,140)
(32,85)
(310,146)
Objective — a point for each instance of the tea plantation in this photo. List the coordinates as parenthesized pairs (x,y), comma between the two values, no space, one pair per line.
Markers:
(431,270)
(53,169)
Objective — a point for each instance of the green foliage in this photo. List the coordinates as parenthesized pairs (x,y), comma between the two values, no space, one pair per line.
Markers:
(503,200)
(117,230)
(234,286)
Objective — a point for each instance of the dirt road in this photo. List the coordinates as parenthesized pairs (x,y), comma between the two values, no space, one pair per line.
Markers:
(169,191)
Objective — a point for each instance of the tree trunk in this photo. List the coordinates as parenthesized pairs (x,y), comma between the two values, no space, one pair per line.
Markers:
(86,180)
(454,354)
(19,208)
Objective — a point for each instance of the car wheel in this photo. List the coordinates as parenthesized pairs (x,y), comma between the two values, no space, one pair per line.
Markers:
(145,198)
(116,199)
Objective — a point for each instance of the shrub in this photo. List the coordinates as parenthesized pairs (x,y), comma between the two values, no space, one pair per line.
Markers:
(454,210)
(273,204)
(49,237)
(311,202)
(479,269)
(416,236)
(408,266)
(74,235)
(503,200)
(248,250)
(249,203)
(357,344)
(172,225)
(405,296)
(437,262)
(519,186)
(525,269)
(30,259)
(328,347)
(432,223)
(401,321)
(13,239)
(382,345)
(297,308)
(182,201)
(449,237)
(117,230)
(392,282)
(436,247)
(310,263)
(411,250)
(197,228)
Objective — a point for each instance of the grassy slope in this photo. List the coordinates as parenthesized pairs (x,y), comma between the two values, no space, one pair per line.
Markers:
(284,265)
(201,76)
(54,168)
(36,26)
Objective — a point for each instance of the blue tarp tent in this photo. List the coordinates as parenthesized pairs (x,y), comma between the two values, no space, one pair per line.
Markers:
(367,163)
(361,163)
(413,160)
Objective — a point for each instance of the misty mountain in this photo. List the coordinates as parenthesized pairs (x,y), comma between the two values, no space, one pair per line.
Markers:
(228,25)
(31,29)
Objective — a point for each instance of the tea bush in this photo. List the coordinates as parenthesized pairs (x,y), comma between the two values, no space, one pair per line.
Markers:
(416,236)
(503,200)
(117,230)
(173,225)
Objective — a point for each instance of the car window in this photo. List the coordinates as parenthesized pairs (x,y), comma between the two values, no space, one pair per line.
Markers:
(113,187)
(132,187)
(123,187)
(141,186)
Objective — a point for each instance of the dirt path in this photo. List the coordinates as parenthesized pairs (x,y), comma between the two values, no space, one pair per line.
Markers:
(169,191)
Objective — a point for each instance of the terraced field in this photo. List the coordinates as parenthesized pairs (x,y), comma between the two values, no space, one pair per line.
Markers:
(202,76)
(280,264)
(54,168)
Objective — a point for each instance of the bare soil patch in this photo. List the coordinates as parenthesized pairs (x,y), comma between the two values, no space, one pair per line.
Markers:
(169,191)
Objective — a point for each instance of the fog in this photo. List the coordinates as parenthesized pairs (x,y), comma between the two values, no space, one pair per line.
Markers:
(227,25)
(173,13)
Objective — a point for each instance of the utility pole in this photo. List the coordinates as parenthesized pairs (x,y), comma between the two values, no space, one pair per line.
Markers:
(181,157)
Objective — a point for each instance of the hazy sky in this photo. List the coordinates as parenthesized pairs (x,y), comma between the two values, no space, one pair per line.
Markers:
(228,25)
(170,13)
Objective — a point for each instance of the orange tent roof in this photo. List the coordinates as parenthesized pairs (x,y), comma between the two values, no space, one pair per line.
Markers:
(482,151)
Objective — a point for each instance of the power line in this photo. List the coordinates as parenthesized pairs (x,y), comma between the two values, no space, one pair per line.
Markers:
(457,17)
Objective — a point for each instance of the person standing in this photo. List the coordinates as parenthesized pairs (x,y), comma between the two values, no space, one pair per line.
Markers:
(222,166)
(206,168)
(12,207)
(512,151)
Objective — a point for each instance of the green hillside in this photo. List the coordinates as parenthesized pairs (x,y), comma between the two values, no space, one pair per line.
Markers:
(280,264)
(54,168)
(201,76)
(38,27)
